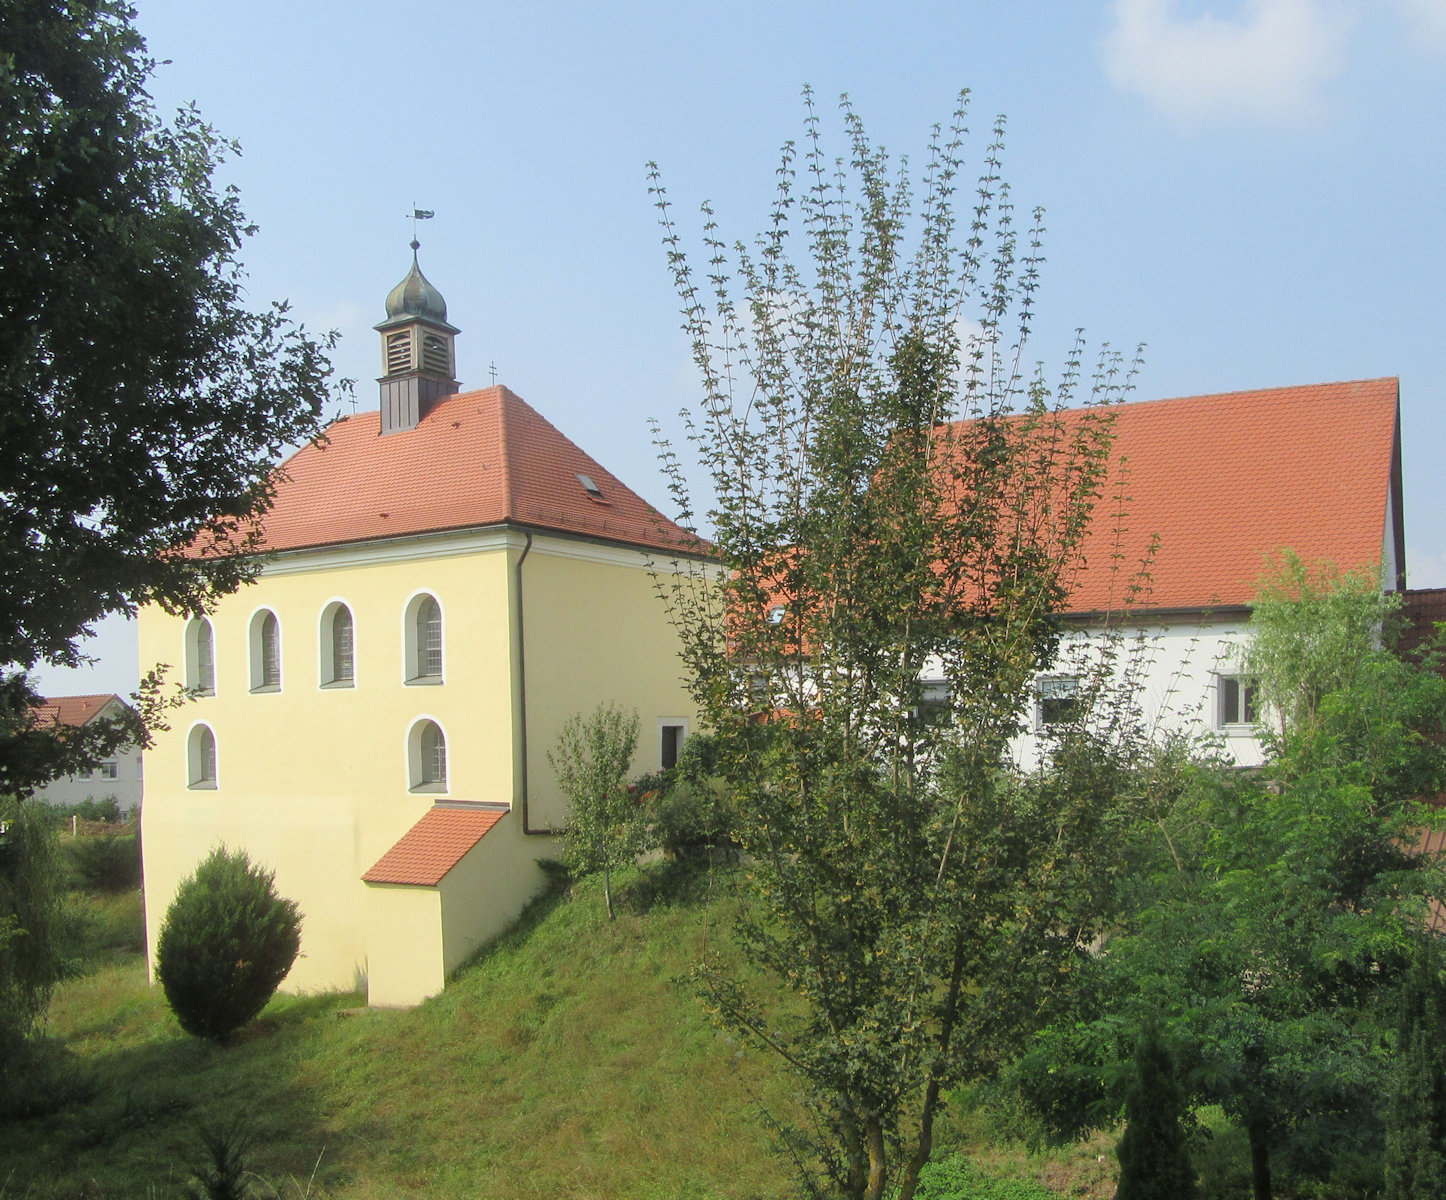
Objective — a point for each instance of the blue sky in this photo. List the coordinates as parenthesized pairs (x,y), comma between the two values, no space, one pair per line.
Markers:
(1252,188)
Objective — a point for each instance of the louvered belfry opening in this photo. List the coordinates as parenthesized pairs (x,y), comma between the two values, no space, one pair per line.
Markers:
(417,352)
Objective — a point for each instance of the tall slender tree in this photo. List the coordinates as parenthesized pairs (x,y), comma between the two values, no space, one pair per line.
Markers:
(894,492)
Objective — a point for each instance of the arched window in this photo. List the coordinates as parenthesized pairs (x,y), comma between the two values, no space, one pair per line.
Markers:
(265,652)
(200,657)
(338,647)
(424,639)
(427,757)
(201,758)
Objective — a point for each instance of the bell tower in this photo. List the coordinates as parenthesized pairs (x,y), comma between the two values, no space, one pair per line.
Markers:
(417,351)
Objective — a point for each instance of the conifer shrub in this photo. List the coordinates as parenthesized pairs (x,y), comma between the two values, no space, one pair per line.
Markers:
(105,864)
(226,944)
(1154,1160)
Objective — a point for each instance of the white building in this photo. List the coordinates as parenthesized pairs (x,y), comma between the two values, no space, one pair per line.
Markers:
(118,775)
(1215,487)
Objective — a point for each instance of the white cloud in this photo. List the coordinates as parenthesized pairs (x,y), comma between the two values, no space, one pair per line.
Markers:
(1266,63)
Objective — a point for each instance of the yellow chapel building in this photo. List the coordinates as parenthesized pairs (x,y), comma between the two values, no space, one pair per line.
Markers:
(443,584)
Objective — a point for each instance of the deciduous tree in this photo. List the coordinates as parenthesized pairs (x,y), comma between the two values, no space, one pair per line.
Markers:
(605,830)
(140,399)
(917,902)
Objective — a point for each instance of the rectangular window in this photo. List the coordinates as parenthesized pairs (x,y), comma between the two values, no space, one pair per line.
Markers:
(1236,700)
(1056,699)
(672,742)
(933,706)
(109,770)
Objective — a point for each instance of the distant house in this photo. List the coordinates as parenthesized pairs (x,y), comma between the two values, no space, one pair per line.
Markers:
(118,776)
(1213,487)
(445,582)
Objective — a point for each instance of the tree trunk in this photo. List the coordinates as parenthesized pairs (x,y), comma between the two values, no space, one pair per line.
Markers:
(608,890)
(924,1146)
(878,1162)
(1259,1161)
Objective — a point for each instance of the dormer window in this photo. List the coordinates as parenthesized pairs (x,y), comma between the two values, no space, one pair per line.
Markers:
(591,488)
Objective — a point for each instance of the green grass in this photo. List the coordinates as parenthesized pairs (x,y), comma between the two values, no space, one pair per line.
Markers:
(565,1062)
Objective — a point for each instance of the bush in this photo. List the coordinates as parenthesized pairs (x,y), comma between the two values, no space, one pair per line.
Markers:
(693,812)
(110,863)
(955,1178)
(107,808)
(226,944)
(30,895)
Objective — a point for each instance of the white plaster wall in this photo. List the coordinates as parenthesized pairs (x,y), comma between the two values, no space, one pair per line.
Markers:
(125,787)
(1178,663)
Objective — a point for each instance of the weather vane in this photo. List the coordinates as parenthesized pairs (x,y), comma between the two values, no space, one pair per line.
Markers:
(419,214)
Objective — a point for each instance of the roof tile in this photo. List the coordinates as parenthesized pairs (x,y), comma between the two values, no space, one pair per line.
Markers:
(71,710)
(477,459)
(1226,480)
(434,845)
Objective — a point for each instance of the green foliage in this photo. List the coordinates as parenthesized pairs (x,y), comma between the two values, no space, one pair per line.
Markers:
(105,863)
(1271,914)
(107,808)
(30,896)
(141,399)
(1154,1160)
(1415,1160)
(225,1174)
(693,814)
(605,828)
(227,942)
(1311,629)
(917,904)
(955,1178)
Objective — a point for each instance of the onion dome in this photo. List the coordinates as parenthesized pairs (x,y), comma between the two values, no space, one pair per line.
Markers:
(415,297)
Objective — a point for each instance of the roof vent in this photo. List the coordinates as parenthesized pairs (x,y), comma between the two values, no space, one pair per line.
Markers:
(590,487)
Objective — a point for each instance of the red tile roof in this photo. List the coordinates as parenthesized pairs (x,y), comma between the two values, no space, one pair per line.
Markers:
(434,845)
(72,710)
(1226,480)
(477,459)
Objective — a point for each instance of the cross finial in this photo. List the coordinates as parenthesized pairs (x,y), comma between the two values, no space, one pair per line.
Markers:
(492,370)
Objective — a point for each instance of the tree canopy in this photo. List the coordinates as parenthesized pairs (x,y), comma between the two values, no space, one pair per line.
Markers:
(140,399)
(894,495)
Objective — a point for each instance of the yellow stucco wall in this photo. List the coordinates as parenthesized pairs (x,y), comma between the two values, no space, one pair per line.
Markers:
(312,781)
(595,631)
(406,962)
(503,868)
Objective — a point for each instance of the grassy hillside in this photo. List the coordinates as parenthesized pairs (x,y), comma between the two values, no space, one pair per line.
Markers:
(565,1062)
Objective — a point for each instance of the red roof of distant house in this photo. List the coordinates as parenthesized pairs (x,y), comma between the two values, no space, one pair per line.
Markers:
(434,845)
(1227,480)
(477,459)
(72,710)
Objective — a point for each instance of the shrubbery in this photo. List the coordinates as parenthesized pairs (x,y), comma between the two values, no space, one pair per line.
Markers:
(106,863)
(29,925)
(693,811)
(227,942)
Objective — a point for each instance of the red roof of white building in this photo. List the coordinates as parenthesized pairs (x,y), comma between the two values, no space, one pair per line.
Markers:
(1225,481)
